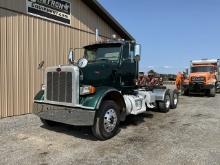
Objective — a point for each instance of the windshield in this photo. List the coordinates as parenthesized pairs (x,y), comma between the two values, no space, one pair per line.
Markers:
(111,54)
(202,69)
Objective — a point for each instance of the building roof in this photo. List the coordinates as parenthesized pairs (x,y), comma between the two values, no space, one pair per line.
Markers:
(109,19)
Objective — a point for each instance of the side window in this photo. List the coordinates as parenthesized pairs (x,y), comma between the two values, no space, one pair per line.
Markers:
(131,53)
(128,53)
(125,52)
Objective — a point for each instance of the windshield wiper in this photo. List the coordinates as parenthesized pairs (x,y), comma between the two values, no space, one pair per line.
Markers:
(102,59)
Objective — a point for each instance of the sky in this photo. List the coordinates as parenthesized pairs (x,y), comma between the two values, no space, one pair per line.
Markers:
(171,32)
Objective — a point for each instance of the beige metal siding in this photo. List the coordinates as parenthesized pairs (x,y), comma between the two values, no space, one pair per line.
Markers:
(26,40)
(18,5)
(82,16)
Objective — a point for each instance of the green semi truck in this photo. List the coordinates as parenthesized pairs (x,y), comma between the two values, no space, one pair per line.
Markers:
(99,90)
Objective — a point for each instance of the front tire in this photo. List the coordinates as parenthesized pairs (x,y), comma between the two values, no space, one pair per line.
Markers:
(107,120)
(212,92)
(186,92)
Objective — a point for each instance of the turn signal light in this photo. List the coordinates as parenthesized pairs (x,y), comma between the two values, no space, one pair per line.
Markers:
(92,89)
(87,89)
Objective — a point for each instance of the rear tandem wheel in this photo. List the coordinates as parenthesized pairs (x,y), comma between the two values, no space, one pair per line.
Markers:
(164,106)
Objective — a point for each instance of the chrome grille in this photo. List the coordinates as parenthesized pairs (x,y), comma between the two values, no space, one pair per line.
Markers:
(198,79)
(59,86)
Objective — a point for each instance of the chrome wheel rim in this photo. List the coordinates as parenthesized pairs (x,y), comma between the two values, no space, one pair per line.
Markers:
(110,120)
(175,99)
(167,101)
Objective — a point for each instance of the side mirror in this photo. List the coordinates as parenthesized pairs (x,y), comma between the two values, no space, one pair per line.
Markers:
(187,71)
(137,50)
(137,58)
(71,56)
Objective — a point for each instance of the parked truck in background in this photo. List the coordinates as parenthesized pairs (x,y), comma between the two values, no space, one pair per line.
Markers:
(99,90)
(204,77)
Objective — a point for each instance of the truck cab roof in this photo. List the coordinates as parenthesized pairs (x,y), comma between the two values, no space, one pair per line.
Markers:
(205,61)
(107,43)
(196,65)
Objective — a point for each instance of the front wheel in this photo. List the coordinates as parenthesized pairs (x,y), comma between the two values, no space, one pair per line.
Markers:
(212,92)
(186,92)
(106,122)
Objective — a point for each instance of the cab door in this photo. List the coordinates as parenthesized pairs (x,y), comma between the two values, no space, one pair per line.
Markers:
(128,66)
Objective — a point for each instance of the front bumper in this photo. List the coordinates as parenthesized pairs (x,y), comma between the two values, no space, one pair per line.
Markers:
(66,115)
(197,87)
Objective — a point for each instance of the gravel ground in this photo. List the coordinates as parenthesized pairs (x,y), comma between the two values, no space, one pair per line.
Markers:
(189,134)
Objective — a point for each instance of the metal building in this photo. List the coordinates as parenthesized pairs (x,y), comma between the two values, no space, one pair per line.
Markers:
(36,30)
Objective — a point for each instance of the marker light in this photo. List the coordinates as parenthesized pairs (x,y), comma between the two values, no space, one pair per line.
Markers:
(87,89)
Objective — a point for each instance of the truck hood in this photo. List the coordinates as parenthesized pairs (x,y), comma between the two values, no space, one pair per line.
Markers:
(98,74)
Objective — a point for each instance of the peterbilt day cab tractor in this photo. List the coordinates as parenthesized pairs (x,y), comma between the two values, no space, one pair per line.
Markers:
(99,90)
(204,77)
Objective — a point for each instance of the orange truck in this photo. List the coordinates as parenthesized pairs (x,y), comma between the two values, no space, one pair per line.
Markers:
(204,77)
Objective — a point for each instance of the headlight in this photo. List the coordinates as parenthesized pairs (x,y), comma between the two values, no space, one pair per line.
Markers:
(212,82)
(87,89)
